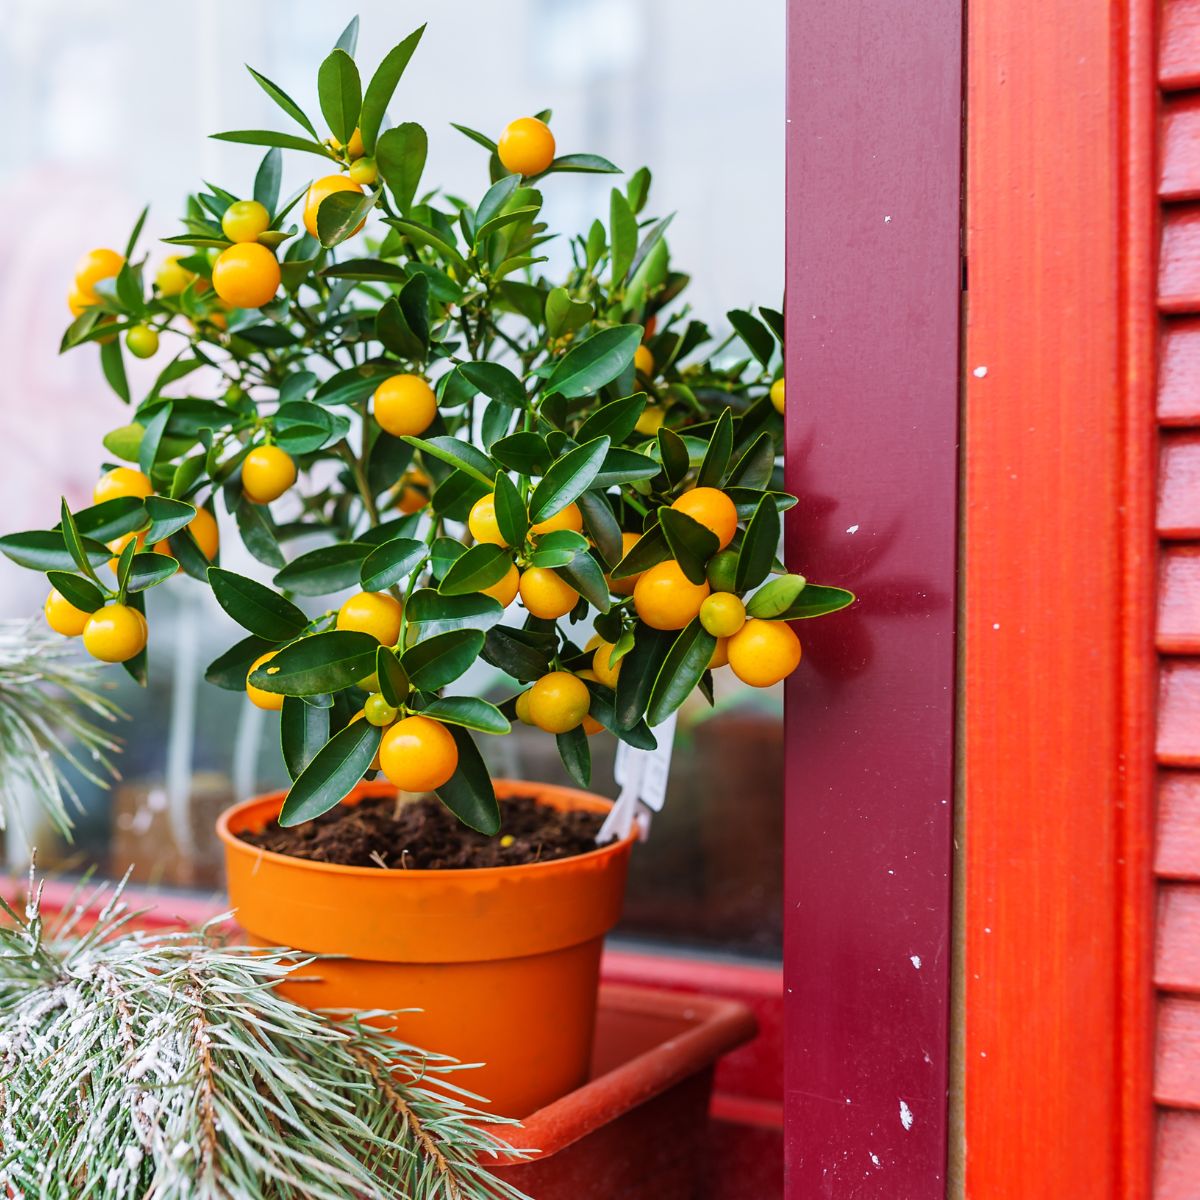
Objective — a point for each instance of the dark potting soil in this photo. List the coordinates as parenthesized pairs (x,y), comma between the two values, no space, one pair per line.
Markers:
(425,835)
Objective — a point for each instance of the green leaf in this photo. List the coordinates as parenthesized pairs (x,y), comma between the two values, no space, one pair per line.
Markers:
(367,269)
(691,543)
(589,164)
(393,330)
(567,479)
(414,303)
(776,597)
(585,575)
(558,548)
(230,669)
(437,661)
(76,547)
(754,333)
(495,381)
(458,453)
(564,315)
(113,365)
(468,711)
(496,198)
(152,439)
(400,154)
(648,551)
(124,567)
(511,517)
(469,794)
(758,547)
(124,441)
(45,550)
(167,517)
(76,590)
(341,213)
(615,420)
(332,774)
(479,568)
(268,178)
(604,711)
(682,669)
(673,453)
(324,570)
(324,662)
(518,652)
(638,188)
(716,457)
(814,601)
(648,243)
(255,607)
(303,730)
(639,670)
(480,139)
(525,452)
(755,467)
(773,319)
(288,105)
(432,613)
(595,361)
(258,533)
(148,569)
(111,519)
(268,137)
(390,563)
(381,88)
(353,384)
(136,232)
(601,525)
(625,466)
(624,232)
(393,683)
(576,755)
(130,290)
(339,90)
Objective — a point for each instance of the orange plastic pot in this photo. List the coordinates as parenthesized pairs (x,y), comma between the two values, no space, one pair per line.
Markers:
(503,962)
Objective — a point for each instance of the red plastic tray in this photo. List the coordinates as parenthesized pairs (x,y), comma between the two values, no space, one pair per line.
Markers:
(639,1127)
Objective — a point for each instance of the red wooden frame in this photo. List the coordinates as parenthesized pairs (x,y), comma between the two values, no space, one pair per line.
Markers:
(1058,587)
(872,306)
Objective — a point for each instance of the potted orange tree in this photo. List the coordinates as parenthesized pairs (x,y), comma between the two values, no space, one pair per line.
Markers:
(544,463)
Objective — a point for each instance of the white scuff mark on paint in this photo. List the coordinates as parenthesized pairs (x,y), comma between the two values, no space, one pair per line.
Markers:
(852,529)
(875,1159)
(979,372)
(995,624)
(906,1116)
(915,959)
(887,220)
(983,1054)
(987,929)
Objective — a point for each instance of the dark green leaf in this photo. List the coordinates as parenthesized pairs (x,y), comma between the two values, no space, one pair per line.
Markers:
(332,775)
(625,466)
(585,575)
(623,236)
(567,479)
(76,590)
(576,755)
(256,608)
(648,551)
(258,532)
(382,86)
(367,268)
(814,601)
(75,544)
(400,155)
(480,139)
(230,669)
(113,365)
(495,381)
(354,384)
(603,710)
(458,453)
(754,333)
(136,232)
(589,164)
(518,653)
(414,303)
(755,467)
(564,315)
(639,670)
(324,570)
(595,361)
(341,213)
(601,525)
(469,794)
(393,330)
(111,519)
(525,452)
(148,569)
(303,730)
(288,105)
(479,568)
(390,563)
(758,547)
(468,711)
(775,598)
(339,90)
(167,517)
(691,543)
(393,683)
(685,663)
(268,137)
(615,420)
(774,322)
(674,455)
(436,661)
(324,662)
(558,548)
(152,439)
(434,614)
(648,244)
(720,447)
(45,550)
(267,179)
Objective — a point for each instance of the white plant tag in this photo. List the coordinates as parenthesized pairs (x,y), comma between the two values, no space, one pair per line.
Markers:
(642,776)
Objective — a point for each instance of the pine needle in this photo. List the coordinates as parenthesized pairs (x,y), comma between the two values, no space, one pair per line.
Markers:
(168,1067)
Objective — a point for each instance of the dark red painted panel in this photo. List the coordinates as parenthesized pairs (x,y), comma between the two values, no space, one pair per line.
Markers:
(873,289)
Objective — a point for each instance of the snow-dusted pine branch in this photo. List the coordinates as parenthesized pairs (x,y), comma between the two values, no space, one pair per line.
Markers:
(167,1066)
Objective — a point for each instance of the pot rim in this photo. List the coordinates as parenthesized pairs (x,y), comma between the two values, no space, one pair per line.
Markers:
(585,800)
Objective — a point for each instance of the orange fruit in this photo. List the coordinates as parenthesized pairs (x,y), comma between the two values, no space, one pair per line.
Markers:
(713,509)
(722,614)
(523,708)
(526,147)
(376,613)
(720,654)
(558,702)
(246,275)
(546,594)
(665,598)
(318,190)
(405,405)
(267,473)
(777,395)
(762,653)
(171,278)
(121,481)
(94,266)
(260,698)
(651,420)
(77,302)
(117,546)
(606,672)
(567,518)
(414,491)
(62,616)
(643,360)
(418,754)
(204,531)
(481,521)
(114,633)
(625,586)
(244,220)
(506,590)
